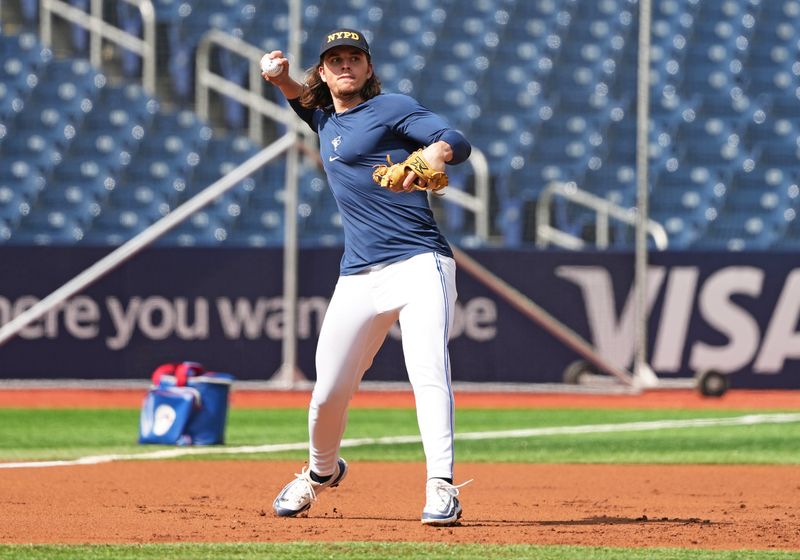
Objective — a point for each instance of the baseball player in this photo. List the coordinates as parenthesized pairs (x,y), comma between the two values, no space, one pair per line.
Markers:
(396,265)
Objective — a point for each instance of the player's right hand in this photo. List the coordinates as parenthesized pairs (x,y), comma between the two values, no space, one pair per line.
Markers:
(283,77)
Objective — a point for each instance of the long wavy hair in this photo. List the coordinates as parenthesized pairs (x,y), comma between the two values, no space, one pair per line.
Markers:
(317,94)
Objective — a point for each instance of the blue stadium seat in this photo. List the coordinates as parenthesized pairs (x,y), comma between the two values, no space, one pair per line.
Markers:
(185,123)
(124,126)
(257,227)
(612,181)
(769,79)
(206,175)
(681,179)
(47,227)
(164,156)
(774,142)
(22,57)
(80,204)
(713,50)
(619,139)
(169,147)
(107,150)
(114,226)
(21,176)
(200,229)
(247,238)
(129,97)
(738,233)
(735,110)
(14,205)
(268,184)
(147,202)
(790,236)
(78,73)
(782,105)
(753,215)
(769,59)
(167,13)
(319,224)
(219,157)
(26,48)
(194,19)
(5,231)
(37,150)
(313,187)
(708,142)
(88,174)
(565,141)
(11,102)
(160,174)
(683,229)
(684,200)
(762,178)
(56,127)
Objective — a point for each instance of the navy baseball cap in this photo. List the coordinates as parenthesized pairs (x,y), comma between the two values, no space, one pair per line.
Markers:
(343,37)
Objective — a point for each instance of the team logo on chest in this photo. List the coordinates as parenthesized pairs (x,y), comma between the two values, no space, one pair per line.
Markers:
(336,142)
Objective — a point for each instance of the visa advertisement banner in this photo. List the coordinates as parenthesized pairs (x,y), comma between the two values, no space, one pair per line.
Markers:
(737,313)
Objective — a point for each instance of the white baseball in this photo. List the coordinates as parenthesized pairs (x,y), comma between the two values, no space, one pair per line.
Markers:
(270,66)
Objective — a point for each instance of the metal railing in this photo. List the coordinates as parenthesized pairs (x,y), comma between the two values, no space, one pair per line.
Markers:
(251,97)
(478,203)
(100,29)
(605,211)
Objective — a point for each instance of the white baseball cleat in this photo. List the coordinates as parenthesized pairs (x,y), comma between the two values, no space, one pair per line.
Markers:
(442,507)
(297,496)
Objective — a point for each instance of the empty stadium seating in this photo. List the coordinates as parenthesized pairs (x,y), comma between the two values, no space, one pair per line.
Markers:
(545,88)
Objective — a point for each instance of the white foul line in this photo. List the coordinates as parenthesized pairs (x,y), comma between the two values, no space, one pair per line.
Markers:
(747,420)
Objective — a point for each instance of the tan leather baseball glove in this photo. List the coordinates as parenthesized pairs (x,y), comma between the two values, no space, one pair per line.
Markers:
(392,176)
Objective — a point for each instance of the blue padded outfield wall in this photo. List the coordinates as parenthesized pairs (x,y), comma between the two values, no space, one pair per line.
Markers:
(734,312)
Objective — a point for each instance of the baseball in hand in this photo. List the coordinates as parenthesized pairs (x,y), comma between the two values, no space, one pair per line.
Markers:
(270,66)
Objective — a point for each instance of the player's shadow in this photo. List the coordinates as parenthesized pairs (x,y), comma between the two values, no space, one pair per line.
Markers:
(610,520)
(587,521)
(415,520)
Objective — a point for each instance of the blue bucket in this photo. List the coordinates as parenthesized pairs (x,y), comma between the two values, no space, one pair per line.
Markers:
(207,425)
(194,414)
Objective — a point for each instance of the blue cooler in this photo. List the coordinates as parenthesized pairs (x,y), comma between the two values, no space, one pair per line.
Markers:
(182,409)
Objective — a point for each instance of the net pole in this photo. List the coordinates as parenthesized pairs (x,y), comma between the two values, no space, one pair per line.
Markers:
(641,369)
(289,374)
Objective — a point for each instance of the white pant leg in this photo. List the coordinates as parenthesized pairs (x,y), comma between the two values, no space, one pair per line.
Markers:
(352,333)
(425,321)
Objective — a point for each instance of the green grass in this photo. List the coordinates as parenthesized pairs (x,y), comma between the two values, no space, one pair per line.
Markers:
(364,551)
(44,434)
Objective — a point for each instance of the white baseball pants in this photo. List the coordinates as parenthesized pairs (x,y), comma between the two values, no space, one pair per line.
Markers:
(420,292)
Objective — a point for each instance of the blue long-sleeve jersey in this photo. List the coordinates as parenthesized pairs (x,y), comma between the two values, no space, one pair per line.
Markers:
(380,226)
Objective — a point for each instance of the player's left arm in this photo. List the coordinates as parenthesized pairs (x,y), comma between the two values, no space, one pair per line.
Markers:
(451,147)
(441,144)
(425,128)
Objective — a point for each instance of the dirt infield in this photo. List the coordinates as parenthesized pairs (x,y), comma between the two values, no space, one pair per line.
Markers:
(725,507)
(668,399)
(702,506)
